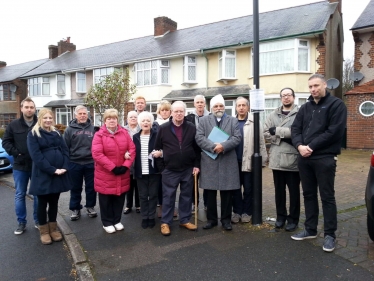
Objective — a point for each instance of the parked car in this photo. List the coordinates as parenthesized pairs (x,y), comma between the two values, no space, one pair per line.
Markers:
(6,161)
(369,199)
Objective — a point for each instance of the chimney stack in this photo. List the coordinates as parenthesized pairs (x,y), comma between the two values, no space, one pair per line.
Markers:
(2,64)
(62,47)
(164,25)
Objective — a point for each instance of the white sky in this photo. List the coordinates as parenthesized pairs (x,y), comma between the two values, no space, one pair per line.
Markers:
(28,27)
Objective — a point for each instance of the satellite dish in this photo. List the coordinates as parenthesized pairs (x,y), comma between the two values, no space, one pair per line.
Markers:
(13,88)
(356,76)
(332,83)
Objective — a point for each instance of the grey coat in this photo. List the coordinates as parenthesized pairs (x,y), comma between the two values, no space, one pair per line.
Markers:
(283,156)
(223,172)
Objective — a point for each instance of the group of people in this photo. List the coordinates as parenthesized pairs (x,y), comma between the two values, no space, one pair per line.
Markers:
(151,158)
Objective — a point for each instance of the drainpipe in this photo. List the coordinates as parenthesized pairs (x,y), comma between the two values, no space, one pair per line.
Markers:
(207,68)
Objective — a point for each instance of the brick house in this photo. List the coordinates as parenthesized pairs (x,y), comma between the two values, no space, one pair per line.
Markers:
(360,100)
(13,89)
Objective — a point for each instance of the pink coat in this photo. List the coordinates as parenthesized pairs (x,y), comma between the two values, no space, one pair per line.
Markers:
(108,151)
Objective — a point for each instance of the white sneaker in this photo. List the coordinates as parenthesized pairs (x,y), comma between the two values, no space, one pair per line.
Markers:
(109,229)
(119,226)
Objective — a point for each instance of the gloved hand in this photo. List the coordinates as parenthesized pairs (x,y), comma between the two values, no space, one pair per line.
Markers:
(289,141)
(272,131)
(120,170)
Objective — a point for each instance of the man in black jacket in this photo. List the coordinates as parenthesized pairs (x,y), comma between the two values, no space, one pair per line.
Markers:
(180,161)
(316,133)
(15,144)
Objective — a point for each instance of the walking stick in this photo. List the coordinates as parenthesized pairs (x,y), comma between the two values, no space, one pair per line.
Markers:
(196,207)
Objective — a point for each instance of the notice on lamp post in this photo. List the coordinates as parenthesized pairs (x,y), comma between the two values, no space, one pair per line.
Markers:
(257,100)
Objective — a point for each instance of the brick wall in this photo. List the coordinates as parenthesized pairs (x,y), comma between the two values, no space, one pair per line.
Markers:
(321,59)
(360,129)
(371,51)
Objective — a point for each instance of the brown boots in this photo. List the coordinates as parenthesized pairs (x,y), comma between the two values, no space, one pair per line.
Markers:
(44,234)
(54,232)
(49,232)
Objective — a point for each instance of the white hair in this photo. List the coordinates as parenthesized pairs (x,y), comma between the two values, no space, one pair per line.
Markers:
(199,97)
(145,115)
(178,103)
(80,107)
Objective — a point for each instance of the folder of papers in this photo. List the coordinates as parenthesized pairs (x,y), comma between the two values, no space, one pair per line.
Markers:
(217,136)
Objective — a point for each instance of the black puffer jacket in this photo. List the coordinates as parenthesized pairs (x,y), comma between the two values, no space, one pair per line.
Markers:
(15,143)
(320,126)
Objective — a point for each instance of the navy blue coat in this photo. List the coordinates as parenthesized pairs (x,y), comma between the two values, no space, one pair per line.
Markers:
(48,153)
(151,145)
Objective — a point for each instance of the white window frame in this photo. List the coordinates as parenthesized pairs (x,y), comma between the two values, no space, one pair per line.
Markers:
(40,84)
(77,79)
(230,105)
(100,73)
(151,72)
(362,104)
(61,88)
(296,46)
(63,111)
(186,66)
(222,57)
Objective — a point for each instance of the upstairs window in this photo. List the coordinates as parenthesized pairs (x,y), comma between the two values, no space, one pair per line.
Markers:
(284,56)
(189,69)
(81,82)
(100,73)
(227,64)
(6,93)
(38,86)
(152,72)
(60,84)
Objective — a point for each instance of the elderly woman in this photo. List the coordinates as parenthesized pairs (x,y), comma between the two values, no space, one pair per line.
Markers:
(132,128)
(50,162)
(112,170)
(146,172)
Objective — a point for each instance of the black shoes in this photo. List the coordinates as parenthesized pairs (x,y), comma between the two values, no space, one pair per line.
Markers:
(145,223)
(127,211)
(151,223)
(137,210)
(279,224)
(227,226)
(291,227)
(210,225)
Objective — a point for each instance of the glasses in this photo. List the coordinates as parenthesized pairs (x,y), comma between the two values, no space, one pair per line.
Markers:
(133,116)
(286,95)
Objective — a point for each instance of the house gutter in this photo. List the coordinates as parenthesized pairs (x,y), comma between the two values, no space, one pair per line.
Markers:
(263,40)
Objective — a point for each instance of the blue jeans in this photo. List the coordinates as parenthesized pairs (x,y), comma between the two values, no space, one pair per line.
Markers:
(21,181)
(77,173)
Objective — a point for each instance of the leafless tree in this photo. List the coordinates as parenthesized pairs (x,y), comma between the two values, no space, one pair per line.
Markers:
(348,70)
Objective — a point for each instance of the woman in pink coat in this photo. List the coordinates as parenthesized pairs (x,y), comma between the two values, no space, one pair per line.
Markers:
(112,174)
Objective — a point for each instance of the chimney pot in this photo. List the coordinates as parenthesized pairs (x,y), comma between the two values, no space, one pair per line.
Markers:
(2,64)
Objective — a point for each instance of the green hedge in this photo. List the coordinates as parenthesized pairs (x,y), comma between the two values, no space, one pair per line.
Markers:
(2,131)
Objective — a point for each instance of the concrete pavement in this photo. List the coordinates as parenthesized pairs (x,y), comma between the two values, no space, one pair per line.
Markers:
(246,252)
(23,257)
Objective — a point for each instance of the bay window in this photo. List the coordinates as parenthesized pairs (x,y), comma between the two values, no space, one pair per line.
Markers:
(284,56)
(38,86)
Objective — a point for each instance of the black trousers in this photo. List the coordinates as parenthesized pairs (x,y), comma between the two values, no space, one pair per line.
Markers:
(292,181)
(148,191)
(319,174)
(130,194)
(226,205)
(111,207)
(50,201)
